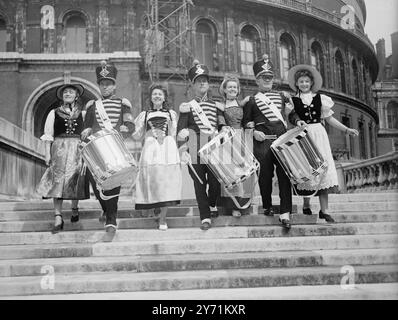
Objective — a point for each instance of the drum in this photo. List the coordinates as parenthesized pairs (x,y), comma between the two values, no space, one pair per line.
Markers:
(109,160)
(232,162)
(299,156)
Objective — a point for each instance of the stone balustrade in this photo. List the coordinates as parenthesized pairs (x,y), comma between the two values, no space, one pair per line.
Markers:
(21,161)
(372,175)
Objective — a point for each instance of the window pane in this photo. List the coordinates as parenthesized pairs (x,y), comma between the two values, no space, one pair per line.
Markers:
(75,35)
(242,45)
(249,46)
(313,60)
(3,40)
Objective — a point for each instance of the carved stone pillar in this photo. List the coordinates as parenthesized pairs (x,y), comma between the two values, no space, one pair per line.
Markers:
(230,46)
(103,26)
(372,178)
(20,26)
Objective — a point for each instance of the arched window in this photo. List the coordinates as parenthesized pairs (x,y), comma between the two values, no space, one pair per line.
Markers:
(287,56)
(317,60)
(205,43)
(356,78)
(3,35)
(75,26)
(250,49)
(392,115)
(341,84)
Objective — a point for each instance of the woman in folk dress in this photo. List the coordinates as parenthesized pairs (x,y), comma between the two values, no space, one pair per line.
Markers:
(159,180)
(65,178)
(233,114)
(313,107)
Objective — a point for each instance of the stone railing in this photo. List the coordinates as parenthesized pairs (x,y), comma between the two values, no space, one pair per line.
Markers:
(372,175)
(21,161)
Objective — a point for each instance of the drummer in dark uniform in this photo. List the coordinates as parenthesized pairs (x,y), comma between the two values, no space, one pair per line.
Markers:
(263,112)
(199,122)
(119,111)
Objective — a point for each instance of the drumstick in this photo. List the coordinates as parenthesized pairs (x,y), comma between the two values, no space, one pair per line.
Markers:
(267,136)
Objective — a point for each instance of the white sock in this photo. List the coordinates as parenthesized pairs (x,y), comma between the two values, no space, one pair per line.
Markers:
(285,216)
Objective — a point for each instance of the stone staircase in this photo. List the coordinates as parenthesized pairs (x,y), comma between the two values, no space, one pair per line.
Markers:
(251,257)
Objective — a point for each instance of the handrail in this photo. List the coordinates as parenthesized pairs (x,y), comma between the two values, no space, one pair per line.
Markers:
(376,174)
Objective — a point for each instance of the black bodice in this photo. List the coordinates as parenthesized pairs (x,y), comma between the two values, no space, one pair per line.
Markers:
(64,125)
(309,113)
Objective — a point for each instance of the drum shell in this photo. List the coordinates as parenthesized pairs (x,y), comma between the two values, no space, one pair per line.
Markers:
(299,156)
(108,159)
(231,161)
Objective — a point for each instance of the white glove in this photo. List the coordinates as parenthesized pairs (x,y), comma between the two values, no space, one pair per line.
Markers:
(86,133)
(183,134)
(259,136)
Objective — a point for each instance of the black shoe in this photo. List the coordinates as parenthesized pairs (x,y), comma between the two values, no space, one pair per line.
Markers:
(269,212)
(75,215)
(214,214)
(59,227)
(205,226)
(307,211)
(286,223)
(102,218)
(325,216)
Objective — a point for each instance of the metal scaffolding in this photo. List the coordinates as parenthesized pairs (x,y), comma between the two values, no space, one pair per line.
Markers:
(168,37)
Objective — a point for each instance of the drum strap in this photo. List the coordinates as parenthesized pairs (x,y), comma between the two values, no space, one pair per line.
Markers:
(201,115)
(103,115)
(264,99)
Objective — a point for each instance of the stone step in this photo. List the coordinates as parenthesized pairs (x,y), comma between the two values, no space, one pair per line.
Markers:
(191,262)
(182,211)
(185,280)
(151,223)
(221,246)
(373,291)
(127,203)
(227,232)
(194,221)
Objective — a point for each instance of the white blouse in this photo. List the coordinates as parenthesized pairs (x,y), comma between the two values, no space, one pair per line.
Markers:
(327,103)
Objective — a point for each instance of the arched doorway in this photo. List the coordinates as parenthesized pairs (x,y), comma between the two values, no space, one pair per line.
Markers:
(43,100)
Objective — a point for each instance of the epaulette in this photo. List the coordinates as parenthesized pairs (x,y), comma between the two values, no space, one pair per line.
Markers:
(185,107)
(126,102)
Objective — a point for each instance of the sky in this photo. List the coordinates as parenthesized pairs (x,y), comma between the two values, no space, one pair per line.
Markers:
(381,21)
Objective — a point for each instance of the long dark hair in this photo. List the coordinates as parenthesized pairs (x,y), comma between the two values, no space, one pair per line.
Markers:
(162,88)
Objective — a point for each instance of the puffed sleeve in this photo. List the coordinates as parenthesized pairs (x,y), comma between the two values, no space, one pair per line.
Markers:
(173,124)
(49,127)
(139,125)
(327,104)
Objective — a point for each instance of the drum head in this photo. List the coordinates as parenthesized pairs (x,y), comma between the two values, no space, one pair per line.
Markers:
(218,140)
(289,136)
(117,179)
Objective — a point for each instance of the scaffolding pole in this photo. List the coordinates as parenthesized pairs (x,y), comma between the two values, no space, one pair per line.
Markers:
(168,37)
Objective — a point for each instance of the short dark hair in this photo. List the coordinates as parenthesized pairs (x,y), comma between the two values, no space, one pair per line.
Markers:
(303,73)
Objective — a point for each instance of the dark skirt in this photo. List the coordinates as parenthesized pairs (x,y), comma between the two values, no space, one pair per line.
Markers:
(65,178)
